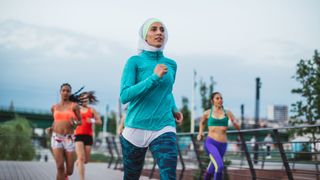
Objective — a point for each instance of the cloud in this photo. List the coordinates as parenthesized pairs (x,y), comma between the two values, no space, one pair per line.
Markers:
(274,53)
(35,60)
(52,42)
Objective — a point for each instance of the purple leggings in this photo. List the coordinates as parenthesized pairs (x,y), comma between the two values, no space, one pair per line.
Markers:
(216,151)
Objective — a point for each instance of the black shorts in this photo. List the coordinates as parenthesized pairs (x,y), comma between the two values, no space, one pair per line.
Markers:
(86,139)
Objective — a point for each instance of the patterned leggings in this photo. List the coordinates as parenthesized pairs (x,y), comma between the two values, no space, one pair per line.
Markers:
(216,152)
(164,151)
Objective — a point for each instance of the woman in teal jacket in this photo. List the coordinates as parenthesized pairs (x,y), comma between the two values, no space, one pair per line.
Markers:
(146,84)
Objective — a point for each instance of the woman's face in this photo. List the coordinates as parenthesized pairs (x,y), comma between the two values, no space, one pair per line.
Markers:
(84,101)
(217,100)
(155,36)
(65,92)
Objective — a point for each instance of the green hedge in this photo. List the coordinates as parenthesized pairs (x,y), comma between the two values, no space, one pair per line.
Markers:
(15,140)
(99,158)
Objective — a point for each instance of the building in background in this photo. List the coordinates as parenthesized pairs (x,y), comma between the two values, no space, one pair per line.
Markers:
(277,115)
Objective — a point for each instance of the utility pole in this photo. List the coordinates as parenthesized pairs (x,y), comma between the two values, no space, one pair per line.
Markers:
(256,118)
(242,116)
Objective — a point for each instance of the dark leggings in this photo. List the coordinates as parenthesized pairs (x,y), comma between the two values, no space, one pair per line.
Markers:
(216,152)
(164,151)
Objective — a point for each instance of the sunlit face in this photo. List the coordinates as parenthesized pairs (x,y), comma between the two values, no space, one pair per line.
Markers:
(217,100)
(65,92)
(155,36)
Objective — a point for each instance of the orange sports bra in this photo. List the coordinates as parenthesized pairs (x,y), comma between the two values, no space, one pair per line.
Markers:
(65,115)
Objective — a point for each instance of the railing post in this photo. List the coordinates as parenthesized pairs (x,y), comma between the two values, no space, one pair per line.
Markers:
(153,168)
(263,158)
(117,152)
(283,155)
(195,147)
(246,152)
(110,151)
(316,155)
(181,159)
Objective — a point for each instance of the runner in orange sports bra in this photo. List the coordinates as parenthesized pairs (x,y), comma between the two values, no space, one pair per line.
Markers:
(84,132)
(66,115)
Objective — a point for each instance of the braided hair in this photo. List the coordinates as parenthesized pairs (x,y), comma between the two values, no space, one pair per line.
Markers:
(82,97)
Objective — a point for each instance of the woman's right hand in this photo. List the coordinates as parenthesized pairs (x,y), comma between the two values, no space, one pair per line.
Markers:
(199,137)
(160,70)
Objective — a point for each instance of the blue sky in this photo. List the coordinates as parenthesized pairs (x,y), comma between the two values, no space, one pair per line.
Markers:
(46,43)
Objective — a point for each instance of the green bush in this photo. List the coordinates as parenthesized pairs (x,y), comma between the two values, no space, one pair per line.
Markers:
(99,158)
(15,140)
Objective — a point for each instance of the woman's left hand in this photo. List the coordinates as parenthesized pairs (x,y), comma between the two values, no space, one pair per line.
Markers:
(74,123)
(179,117)
(49,130)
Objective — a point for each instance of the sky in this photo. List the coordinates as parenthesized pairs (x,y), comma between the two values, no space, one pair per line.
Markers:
(46,43)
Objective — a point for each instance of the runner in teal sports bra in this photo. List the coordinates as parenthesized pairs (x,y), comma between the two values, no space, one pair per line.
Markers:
(217,121)
(216,142)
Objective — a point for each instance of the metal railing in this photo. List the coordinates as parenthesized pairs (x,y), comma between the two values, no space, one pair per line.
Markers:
(283,158)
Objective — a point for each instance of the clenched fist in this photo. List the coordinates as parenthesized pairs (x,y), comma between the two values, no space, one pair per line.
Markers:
(160,70)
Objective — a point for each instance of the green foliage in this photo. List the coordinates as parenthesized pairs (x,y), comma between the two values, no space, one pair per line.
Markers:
(15,140)
(204,96)
(307,110)
(205,93)
(98,128)
(112,123)
(99,158)
(185,127)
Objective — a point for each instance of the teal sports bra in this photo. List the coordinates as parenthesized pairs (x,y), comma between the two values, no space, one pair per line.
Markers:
(216,121)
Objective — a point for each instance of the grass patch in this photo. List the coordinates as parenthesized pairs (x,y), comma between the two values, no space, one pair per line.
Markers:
(99,158)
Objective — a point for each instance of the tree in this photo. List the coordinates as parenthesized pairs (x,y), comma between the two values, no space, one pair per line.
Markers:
(99,128)
(112,123)
(11,107)
(307,110)
(205,93)
(15,140)
(185,127)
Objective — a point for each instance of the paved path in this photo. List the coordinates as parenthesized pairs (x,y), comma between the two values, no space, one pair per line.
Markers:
(18,170)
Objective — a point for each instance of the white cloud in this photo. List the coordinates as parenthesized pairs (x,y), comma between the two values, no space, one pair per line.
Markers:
(51,42)
(274,53)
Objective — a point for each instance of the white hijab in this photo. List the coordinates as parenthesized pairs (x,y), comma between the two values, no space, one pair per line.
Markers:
(143,45)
